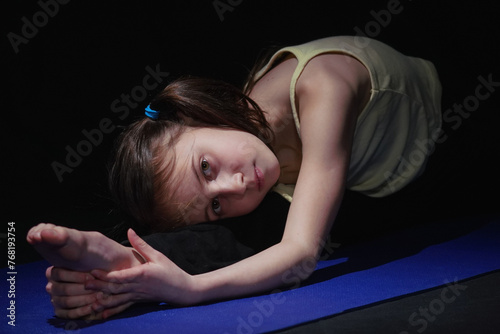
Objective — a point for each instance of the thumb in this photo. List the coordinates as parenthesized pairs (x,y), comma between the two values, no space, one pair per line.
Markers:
(142,248)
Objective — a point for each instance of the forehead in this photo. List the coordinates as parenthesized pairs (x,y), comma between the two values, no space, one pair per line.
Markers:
(223,136)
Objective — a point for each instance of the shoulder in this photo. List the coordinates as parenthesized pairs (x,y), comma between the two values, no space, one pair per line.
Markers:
(333,69)
(334,78)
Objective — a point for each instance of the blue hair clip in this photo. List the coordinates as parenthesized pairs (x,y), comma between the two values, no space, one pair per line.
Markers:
(153,114)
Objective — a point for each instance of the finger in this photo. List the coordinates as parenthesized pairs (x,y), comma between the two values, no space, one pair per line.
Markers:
(99,274)
(106,301)
(112,311)
(74,313)
(70,276)
(120,276)
(48,272)
(69,302)
(48,288)
(146,251)
(93,316)
(67,289)
(108,287)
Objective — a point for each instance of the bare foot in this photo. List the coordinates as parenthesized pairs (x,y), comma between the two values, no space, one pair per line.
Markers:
(79,250)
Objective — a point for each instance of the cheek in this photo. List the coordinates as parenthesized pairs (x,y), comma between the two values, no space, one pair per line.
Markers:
(275,166)
(244,149)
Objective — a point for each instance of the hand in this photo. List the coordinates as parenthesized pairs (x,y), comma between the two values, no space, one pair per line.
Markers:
(159,279)
(69,297)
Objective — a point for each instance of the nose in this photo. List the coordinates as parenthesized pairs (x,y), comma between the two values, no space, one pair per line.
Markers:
(229,184)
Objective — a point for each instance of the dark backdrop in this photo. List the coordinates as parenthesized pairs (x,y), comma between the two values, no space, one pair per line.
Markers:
(69,67)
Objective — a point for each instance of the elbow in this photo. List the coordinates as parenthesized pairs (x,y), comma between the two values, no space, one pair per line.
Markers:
(294,276)
(304,258)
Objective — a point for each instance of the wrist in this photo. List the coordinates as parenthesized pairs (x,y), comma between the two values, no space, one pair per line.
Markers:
(187,293)
(196,292)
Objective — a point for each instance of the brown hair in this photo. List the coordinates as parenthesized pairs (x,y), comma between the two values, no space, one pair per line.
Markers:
(140,176)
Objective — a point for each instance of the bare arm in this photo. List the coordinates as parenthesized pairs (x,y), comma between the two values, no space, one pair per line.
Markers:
(327,96)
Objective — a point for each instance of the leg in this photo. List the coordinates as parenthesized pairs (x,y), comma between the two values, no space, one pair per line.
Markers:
(79,250)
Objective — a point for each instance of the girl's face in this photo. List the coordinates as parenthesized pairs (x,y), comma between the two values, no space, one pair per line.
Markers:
(223,172)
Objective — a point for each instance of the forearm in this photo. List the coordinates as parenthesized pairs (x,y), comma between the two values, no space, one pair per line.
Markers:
(290,261)
(159,279)
(279,265)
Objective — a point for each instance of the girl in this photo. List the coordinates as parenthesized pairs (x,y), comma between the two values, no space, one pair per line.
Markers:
(316,119)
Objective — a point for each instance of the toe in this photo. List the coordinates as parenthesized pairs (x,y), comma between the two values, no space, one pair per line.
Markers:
(54,236)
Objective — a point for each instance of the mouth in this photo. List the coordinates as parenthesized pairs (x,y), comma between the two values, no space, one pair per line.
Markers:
(259,178)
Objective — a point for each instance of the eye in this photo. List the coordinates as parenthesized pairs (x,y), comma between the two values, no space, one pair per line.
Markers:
(207,171)
(216,206)
(205,167)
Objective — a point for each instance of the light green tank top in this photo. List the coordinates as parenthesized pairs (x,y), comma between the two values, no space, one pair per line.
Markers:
(396,131)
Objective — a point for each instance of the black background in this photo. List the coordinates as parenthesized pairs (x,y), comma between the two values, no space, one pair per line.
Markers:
(65,78)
